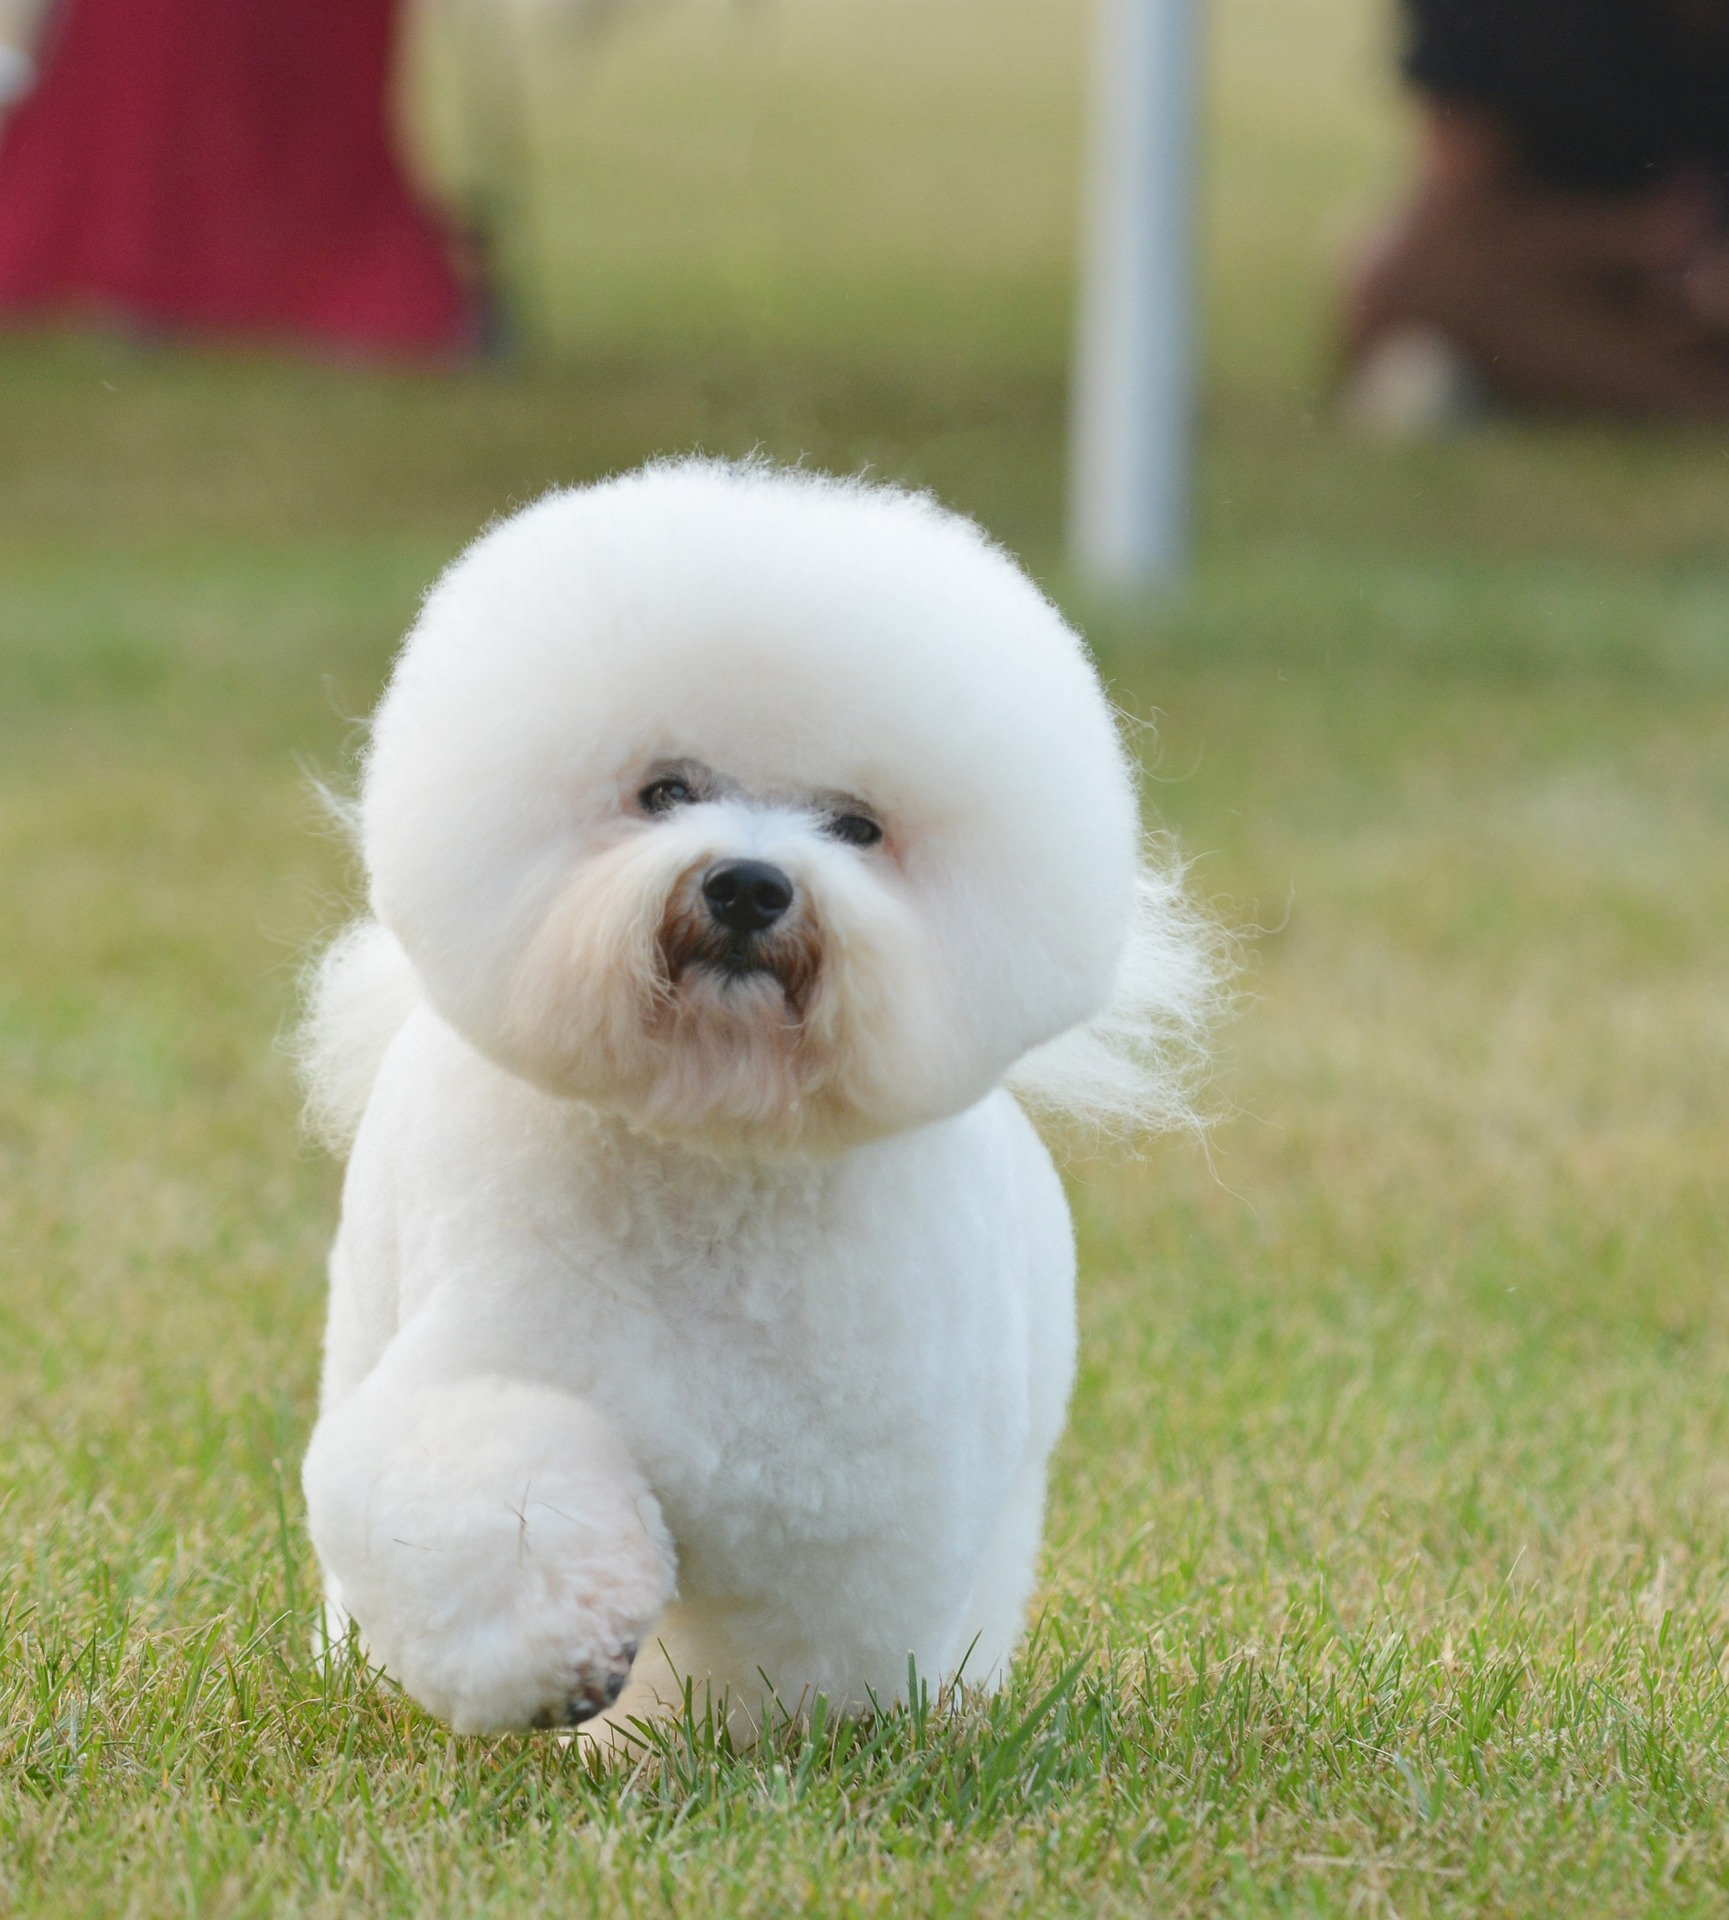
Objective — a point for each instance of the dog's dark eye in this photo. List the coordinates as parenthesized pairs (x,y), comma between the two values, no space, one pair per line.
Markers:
(661,796)
(856,829)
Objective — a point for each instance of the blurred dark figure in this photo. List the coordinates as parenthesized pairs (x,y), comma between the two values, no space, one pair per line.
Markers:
(227,166)
(1566,241)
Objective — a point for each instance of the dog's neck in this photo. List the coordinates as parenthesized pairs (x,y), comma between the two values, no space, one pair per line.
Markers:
(700,1176)
(702,1227)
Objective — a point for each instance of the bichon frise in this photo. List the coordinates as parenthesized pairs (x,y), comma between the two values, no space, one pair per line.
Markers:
(741,844)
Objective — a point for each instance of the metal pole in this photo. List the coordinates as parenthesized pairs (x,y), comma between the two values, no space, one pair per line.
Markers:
(1132,423)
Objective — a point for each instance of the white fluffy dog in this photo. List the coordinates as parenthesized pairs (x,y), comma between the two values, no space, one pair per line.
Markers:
(703,1300)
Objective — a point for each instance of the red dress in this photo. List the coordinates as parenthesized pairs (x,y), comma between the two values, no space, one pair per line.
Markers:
(223,165)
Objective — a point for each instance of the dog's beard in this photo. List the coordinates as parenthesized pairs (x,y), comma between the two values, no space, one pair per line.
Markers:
(732,1011)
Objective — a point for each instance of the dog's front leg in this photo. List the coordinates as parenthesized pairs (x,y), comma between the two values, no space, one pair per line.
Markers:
(493,1540)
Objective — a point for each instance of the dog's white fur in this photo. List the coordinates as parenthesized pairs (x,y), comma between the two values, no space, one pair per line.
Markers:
(724,1316)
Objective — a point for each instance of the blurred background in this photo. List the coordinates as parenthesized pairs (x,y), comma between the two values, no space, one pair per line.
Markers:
(847,232)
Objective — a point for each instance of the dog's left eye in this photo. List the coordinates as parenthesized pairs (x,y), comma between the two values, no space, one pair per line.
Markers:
(659,796)
(856,829)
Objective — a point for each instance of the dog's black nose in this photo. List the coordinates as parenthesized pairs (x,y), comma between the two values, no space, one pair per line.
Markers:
(746,895)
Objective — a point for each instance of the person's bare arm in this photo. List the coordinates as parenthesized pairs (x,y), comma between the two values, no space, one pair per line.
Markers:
(1559,298)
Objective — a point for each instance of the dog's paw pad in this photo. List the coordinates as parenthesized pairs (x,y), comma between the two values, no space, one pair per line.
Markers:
(598,1687)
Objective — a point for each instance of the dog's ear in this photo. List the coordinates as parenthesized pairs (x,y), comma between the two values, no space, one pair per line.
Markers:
(359,992)
(1138,1066)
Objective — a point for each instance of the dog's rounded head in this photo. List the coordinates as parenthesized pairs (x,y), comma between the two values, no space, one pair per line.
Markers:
(760,809)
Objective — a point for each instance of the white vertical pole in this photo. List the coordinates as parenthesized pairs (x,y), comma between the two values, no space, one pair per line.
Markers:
(1132,423)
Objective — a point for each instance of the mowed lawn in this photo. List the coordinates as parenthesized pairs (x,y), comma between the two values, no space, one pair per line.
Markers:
(1389,1549)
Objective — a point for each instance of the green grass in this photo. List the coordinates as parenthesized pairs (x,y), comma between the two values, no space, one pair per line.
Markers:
(1389,1552)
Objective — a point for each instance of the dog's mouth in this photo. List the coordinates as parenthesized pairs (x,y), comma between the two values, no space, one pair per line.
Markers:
(694,945)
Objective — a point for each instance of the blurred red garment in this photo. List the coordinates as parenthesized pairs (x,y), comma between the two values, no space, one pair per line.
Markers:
(223,165)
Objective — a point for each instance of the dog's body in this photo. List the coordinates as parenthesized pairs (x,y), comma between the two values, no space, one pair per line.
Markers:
(702,1300)
(839,1386)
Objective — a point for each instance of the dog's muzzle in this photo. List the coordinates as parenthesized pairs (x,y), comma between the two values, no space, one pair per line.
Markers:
(743,920)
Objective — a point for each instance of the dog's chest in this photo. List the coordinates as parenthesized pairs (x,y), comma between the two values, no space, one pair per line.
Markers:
(793,1364)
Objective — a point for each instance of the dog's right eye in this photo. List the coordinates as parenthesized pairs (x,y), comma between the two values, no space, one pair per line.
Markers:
(661,796)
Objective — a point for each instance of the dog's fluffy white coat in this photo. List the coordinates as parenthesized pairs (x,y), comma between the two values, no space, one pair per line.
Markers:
(721,1319)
